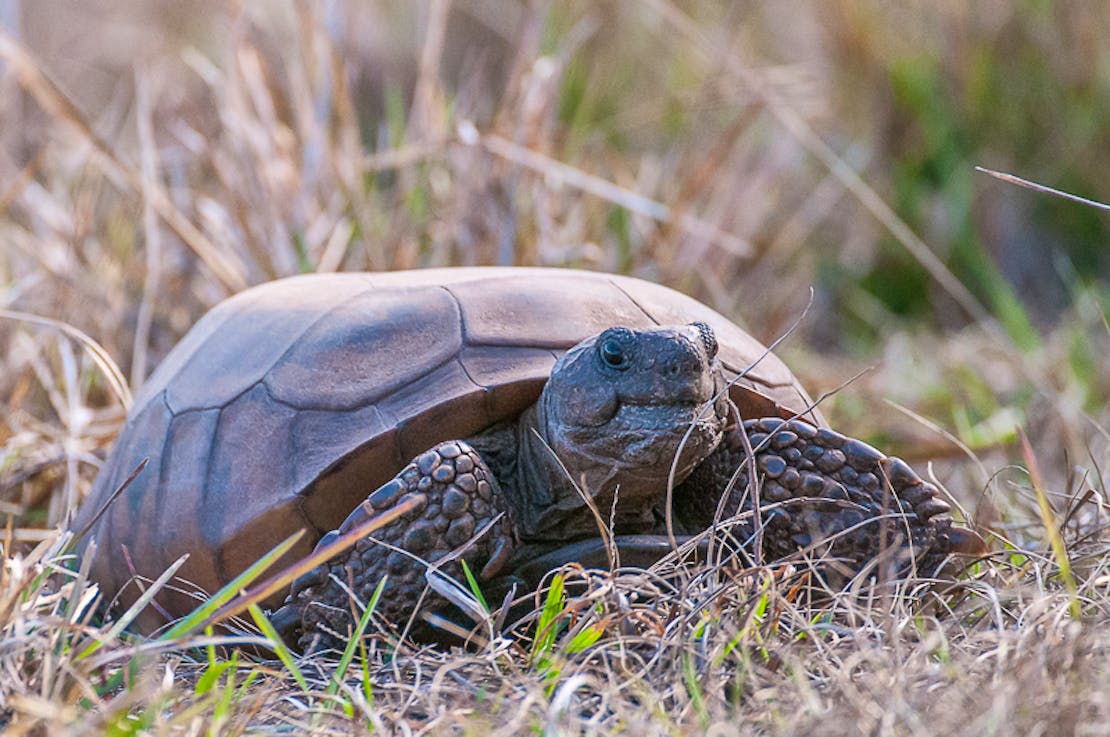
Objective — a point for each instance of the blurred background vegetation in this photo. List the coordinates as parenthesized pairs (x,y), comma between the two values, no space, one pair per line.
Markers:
(156,156)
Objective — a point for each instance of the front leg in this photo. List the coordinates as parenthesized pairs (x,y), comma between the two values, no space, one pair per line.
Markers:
(826,492)
(456,496)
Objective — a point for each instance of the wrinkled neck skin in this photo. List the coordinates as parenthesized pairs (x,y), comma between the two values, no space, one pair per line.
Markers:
(549,507)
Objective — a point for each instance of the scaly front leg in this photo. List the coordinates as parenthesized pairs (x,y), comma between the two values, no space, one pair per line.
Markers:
(455,496)
(822,491)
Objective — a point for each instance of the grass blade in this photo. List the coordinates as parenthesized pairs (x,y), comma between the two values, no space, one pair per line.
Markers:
(204,615)
(278,644)
(547,627)
(356,638)
(1051,526)
(133,611)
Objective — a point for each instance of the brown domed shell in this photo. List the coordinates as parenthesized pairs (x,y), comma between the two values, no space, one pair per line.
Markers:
(286,405)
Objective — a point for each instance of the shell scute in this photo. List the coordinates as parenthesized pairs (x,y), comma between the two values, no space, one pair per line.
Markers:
(249,470)
(367,347)
(253,331)
(544,311)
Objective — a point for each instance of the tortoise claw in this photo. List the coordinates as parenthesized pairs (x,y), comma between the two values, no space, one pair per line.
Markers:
(965,541)
(287,621)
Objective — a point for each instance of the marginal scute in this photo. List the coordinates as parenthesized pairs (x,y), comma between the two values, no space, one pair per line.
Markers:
(243,546)
(322,437)
(129,510)
(251,452)
(119,524)
(177,515)
(251,458)
(512,385)
(347,481)
(444,404)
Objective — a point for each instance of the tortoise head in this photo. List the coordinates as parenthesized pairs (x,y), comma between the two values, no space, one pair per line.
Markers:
(621,406)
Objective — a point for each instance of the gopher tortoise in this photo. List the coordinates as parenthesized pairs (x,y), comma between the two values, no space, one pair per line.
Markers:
(490,400)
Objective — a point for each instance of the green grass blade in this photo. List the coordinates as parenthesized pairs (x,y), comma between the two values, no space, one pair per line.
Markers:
(200,616)
(474,587)
(356,638)
(586,637)
(693,688)
(210,677)
(547,628)
(278,645)
(1052,527)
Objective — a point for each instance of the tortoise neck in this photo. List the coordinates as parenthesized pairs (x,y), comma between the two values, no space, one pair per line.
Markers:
(549,495)
(548,505)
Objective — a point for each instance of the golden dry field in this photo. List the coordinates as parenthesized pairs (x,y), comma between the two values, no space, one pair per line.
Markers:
(783,161)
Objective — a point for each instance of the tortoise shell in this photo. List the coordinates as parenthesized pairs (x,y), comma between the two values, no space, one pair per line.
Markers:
(287,404)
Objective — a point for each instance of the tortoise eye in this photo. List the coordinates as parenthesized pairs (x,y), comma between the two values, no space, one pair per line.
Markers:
(612,353)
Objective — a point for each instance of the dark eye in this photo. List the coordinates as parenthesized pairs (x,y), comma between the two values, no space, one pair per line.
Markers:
(612,353)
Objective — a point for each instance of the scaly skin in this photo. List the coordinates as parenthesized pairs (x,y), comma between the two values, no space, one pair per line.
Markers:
(457,497)
(823,492)
(616,411)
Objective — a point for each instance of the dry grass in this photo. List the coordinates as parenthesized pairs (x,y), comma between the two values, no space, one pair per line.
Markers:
(153,160)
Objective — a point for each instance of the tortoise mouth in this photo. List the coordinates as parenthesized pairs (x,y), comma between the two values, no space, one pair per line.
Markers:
(662,416)
(650,436)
